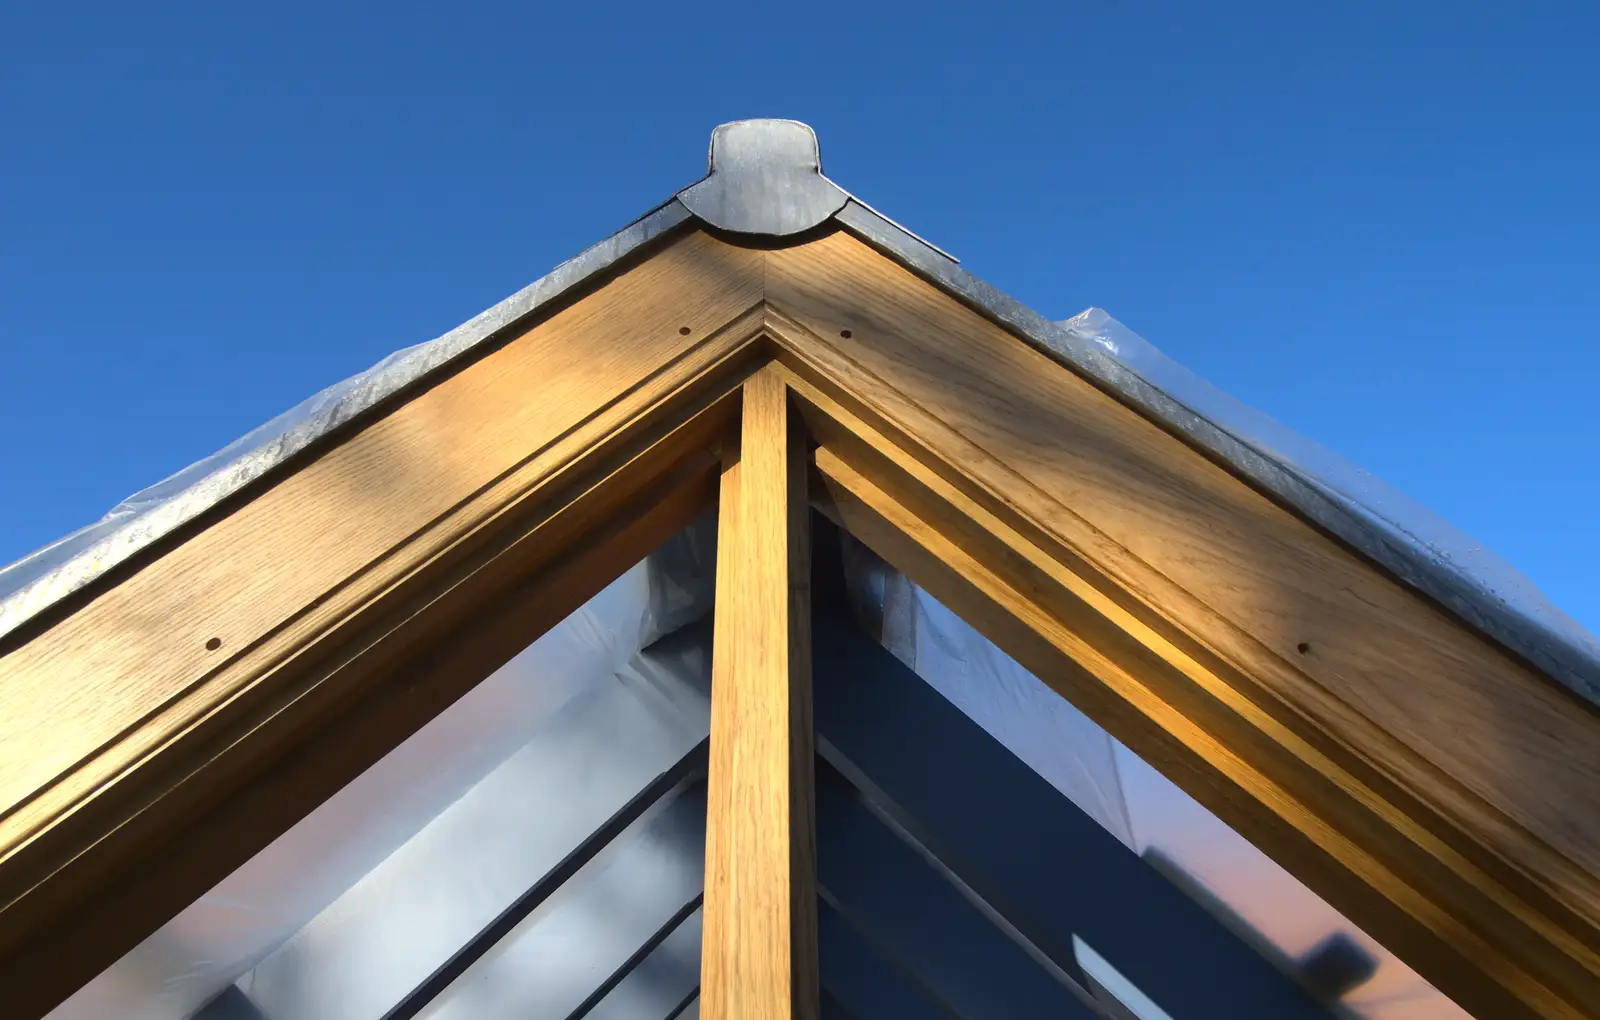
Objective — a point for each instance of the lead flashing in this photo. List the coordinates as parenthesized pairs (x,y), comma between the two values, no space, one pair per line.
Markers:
(764,177)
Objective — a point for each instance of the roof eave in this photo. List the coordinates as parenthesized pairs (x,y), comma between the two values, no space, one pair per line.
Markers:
(765,180)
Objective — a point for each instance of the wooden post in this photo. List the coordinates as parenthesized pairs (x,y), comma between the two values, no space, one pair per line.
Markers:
(760,936)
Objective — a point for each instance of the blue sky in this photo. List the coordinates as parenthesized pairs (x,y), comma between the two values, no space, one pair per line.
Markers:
(1377,223)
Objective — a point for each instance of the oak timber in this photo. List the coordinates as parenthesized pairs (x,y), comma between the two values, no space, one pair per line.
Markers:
(1190,543)
(119,729)
(1463,930)
(759,951)
(1049,869)
(1489,742)
(501,424)
(1441,793)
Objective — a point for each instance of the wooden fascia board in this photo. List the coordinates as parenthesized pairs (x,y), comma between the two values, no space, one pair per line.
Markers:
(291,749)
(1355,662)
(1387,860)
(1440,792)
(129,746)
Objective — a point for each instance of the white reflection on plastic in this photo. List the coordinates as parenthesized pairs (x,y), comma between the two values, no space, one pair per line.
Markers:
(1113,785)
(1359,491)
(552,962)
(402,866)
(1034,723)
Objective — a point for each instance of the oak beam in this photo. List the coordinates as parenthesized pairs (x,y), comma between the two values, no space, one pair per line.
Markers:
(1356,839)
(1505,760)
(148,697)
(1045,866)
(400,664)
(759,960)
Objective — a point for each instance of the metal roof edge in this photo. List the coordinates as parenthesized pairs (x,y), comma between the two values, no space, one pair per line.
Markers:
(50,574)
(765,179)
(1571,666)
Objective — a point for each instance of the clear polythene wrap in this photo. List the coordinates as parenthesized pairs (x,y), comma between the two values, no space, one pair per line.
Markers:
(359,902)
(1442,560)
(1105,780)
(43,577)
(1414,544)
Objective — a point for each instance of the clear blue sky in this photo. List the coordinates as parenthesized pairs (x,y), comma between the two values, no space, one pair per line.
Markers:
(1377,223)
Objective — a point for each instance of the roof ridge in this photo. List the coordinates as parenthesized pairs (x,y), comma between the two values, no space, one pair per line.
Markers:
(764,178)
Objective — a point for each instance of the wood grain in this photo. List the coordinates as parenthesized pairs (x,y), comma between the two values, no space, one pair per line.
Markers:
(759,958)
(1492,743)
(424,653)
(107,711)
(1440,792)
(1213,762)
(1496,950)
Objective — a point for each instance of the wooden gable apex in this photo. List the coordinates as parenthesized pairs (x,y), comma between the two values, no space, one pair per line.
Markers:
(168,720)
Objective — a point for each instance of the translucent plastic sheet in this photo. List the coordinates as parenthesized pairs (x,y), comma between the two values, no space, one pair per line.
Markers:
(48,574)
(359,902)
(251,923)
(155,510)
(662,981)
(1468,562)
(555,960)
(1114,786)
(1477,584)
(1034,723)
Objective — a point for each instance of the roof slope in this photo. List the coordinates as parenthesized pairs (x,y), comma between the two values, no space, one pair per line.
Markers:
(765,178)
(287,612)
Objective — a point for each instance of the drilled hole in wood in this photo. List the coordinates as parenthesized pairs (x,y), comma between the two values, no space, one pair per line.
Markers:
(683,330)
(1303,648)
(846,333)
(213,644)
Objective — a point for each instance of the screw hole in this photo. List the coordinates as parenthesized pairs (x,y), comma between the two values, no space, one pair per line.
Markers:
(1303,648)
(684,330)
(846,333)
(213,644)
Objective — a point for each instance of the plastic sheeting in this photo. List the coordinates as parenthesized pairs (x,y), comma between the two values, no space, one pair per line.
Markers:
(54,571)
(350,909)
(1420,547)
(1470,565)
(288,890)
(662,982)
(1043,729)
(1114,786)
(553,962)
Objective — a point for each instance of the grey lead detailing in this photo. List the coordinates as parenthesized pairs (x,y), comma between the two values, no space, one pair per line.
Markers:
(765,178)
(1559,654)
(35,582)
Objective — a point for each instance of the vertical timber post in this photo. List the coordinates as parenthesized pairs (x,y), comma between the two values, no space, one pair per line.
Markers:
(760,935)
